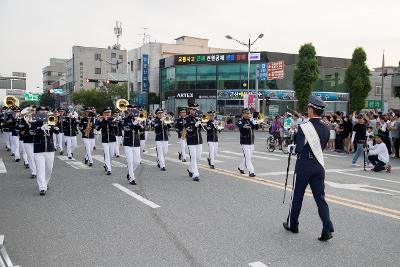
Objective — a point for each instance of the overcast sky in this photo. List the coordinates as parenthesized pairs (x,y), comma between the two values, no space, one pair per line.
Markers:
(32,31)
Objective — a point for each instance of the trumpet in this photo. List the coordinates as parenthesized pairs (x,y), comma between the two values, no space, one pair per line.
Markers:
(122,104)
(260,118)
(220,125)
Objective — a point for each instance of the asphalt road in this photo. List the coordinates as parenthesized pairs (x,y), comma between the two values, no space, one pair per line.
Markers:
(227,219)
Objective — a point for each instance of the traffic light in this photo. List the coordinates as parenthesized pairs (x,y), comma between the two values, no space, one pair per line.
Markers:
(92,80)
(111,82)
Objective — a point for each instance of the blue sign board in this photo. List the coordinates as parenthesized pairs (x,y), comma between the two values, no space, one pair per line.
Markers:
(263,71)
(140,99)
(145,73)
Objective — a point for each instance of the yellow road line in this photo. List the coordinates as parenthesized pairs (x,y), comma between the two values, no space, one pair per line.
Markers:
(395,214)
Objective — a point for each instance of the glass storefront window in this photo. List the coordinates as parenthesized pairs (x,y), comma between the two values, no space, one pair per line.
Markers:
(228,76)
(206,77)
(185,73)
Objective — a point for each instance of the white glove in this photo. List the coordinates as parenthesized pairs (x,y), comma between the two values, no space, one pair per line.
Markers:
(56,128)
(254,121)
(291,148)
(45,127)
(135,122)
(197,124)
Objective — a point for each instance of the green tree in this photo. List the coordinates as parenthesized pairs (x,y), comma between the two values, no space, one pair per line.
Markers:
(92,97)
(357,79)
(305,74)
(117,91)
(153,98)
(27,103)
(47,100)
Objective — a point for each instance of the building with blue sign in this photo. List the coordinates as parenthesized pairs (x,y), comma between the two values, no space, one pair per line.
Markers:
(219,81)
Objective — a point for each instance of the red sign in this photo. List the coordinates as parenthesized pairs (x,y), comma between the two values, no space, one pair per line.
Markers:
(276,70)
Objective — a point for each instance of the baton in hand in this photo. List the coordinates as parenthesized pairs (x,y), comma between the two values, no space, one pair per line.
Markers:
(287,174)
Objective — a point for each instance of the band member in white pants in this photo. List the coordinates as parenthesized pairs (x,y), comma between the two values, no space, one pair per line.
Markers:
(15,130)
(28,144)
(43,149)
(119,123)
(143,134)
(59,144)
(108,128)
(87,129)
(247,125)
(161,131)
(179,127)
(132,128)
(194,140)
(6,119)
(212,138)
(70,127)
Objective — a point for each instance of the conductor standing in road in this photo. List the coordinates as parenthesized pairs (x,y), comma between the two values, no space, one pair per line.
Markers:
(311,139)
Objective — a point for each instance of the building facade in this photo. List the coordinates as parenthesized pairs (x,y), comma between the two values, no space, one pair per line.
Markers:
(145,59)
(14,85)
(391,82)
(53,72)
(219,81)
(100,64)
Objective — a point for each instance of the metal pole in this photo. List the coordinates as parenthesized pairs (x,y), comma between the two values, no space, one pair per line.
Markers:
(383,83)
(248,67)
(129,80)
(256,97)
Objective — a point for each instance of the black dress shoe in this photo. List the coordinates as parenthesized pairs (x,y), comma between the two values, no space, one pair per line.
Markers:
(17,160)
(293,230)
(108,173)
(196,179)
(61,153)
(72,155)
(163,169)
(325,236)
(86,161)
(184,160)
(69,157)
(26,166)
(190,173)
(33,176)
(132,182)
(12,154)
(158,165)
(90,164)
(209,161)
(42,192)
(127,177)
(212,167)
(241,171)
(105,168)
(117,156)
(252,175)
(94,148)
(179,156)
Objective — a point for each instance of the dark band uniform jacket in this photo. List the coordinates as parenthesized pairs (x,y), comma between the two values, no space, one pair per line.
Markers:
(246,128)
(108,130)
(131,132)
(42,141)
(193,133)
(161,130)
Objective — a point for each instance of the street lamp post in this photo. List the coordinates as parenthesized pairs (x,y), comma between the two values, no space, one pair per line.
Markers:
(248,45)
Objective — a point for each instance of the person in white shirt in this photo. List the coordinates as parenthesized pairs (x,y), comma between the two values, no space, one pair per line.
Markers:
(378,155)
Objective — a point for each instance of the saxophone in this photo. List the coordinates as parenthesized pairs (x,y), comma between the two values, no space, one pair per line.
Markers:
(88,128)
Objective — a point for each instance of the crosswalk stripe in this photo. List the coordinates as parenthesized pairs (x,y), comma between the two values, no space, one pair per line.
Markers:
(113,162)
(222,156)
(2,166)
(253,156)
(73,163)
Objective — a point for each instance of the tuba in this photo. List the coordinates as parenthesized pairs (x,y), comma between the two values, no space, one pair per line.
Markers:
(204,118)
(10,101)
(168,119)
(122,104)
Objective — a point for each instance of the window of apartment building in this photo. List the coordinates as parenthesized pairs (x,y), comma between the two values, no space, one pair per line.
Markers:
(97,56)
(97,70)
(113,55)
(49,73)
(131,65)
(378,89)
(60,74)
(120,57)
(49,82)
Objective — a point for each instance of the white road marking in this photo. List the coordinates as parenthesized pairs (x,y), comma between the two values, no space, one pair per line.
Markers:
(113,162)
(254,156)
(149,162)
(355,187)
(138,197)
(221,156)
(272,154)
(326,171)
(73,163)
(335,156)
(2,166)
(257,264)
(368,177)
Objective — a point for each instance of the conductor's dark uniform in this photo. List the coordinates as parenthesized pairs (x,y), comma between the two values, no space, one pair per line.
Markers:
(310,171)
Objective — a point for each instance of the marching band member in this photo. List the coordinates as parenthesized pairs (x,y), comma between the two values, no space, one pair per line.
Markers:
(311,140)
(28,143)
(119,123)
(246,128)
(15,134)
(43,149)
(161,132)
(70,127)
(6,120)
(87,129)
(132,129)
(143,134)
(59,143)
(20,125)
(95,133)
(212,138)
(180,126)
(108,129)
(194,140)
